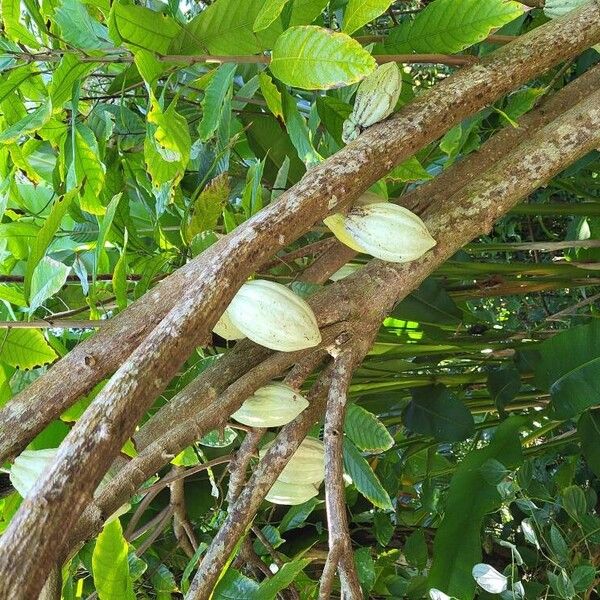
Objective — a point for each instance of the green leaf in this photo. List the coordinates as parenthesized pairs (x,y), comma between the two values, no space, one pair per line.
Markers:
(558,544)
(436,411)
(315,58)
(69,70)
(207,207)
(185,576)
(233,586)
(333,112)
(449,26)
(429,304)
(110,564)
(270,11)
(361,12)
(574,502)
(272,535)
(45,237)
(569,367)
(588,429)
(365,569)
(583,578)
(470,498)
(142,28)
(88,170)
(304,12)
(225,27)
(297,515)
(269,588)
(10,10)
(48,278)
(12,294)
(415,549)
(78,28)
(503,385)
(25,349)
(214,98)
(28,124)
(363,477)
(119,278)
(366,430)
(103,229)
(409,170)
(298,131)
(271,94)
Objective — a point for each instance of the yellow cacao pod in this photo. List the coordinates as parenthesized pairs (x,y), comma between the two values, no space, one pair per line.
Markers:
(226,329)
(273,316)
(273,405)
(307,464)
(291,494)
(375,100)
(383,230)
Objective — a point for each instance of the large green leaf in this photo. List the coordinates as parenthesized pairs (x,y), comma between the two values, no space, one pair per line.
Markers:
(457,545)
(436,411)
(270,11)
(569,367)
(48,278)
(361,12)
(298,131)
(46,234)
(28,124)
(450,26)
(588,428)
(363,477)
(333,112)
(226,27)
(10,11)
(25,349)
(217,90)
(206,209)
(69,70)
(78,28)
(110,565)
(429,304)
(303,12)
(315,58)
(269,588)
(233,586)
(366,430)
(503,385)
(141,27)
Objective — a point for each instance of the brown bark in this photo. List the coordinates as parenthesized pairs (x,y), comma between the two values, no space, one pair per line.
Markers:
(463,217)
(469,168)
(340,544)
(331,185)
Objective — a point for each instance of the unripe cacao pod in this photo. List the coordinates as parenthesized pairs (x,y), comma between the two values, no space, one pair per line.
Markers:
(383,230)
(273,405)
(376,99)
(28,467)
(226,329)
(291,494)
(273,316)
(307,464)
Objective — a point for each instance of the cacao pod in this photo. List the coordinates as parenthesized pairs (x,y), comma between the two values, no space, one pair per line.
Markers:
(291,494)
(375,100)
(273,405)
(307,464)
(28,467)
(273,316)
(226,329)
(383,230)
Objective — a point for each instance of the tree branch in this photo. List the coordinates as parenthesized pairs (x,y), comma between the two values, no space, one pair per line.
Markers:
(340,545)
(325,188)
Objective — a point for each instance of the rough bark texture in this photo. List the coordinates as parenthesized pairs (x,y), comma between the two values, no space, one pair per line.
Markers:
(333,184)
(463,217)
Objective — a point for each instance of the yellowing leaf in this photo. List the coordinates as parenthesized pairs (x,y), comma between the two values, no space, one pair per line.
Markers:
(207,208)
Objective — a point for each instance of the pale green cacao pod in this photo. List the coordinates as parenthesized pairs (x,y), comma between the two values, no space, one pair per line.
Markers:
(226,329)
(273,405)
(28,467)
(307,464)
(383,230)
(273,316)
(291,494)
(376,98)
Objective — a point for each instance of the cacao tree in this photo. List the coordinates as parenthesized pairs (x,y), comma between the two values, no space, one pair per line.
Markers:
(299,299)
